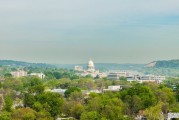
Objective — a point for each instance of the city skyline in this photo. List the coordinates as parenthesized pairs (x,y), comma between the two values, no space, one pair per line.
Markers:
(68,32)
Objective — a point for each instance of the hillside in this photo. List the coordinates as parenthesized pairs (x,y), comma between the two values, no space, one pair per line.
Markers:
(162,67)
(174,64)
(24,64)
(168,68)
(106,66)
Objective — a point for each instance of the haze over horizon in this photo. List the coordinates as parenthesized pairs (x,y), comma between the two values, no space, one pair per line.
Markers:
(64,31)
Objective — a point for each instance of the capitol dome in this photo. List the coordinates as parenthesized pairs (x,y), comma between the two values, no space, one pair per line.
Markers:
(90,63)
(91,66)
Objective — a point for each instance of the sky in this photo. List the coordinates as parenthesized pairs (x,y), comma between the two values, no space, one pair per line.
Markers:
(73,31)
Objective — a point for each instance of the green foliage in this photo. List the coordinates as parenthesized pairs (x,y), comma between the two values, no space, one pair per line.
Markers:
(46,101)
(168,64)
(92,115)
(5,116)
(38,89)
(52,102)
(154,112)
(37,106)
(43,115)
(71,90)
(29,100)
(13,83)
(123,78)
(24,114)
(31,81)
(24,64)
(174,107)
(7,75)
(123,105)
(8,104)
(108,106)
(160,71)
(138,97)
(34,81)
(1,85)
(77,110)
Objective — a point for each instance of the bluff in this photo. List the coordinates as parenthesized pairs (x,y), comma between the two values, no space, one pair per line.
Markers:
(174,64)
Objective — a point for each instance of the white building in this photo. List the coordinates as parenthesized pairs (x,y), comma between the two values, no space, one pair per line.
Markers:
(90,66)
(117,75)
(87,92)
(19,73)
(152,78)
(78,68)
(116,88)
(113,88)
(91,71)
(40,75)
(60,91)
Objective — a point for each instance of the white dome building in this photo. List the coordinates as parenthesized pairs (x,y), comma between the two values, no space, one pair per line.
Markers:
(91,67)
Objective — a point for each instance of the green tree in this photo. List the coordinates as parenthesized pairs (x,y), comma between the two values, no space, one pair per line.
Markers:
(123,78)
(5,116)
(8,75)
(137,98)
(92,115)
(107,105)
(52,102)
(77,110)
(29,100)
(77,96)
(154,112)
(23,114)
(8,104)
(38,89)
(12,83)
(43,115)
(71,90)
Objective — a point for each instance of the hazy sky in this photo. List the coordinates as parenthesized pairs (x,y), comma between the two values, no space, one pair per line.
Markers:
(72,31)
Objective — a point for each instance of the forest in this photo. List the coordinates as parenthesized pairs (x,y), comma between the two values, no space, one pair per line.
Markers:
(29,98)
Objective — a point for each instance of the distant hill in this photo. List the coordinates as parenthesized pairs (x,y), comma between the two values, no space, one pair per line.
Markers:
(98,66)
(163,67)
(174,64)
(106,66)
(24,64)
(152,64)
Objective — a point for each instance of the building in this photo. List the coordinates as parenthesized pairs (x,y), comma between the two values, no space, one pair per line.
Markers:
(60,91)
(87,92)
(90,66)
(90,71)
(40,75)
(115,88)
(152,78)
(102,75)
(117,75)
(78,68)
(19,73)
